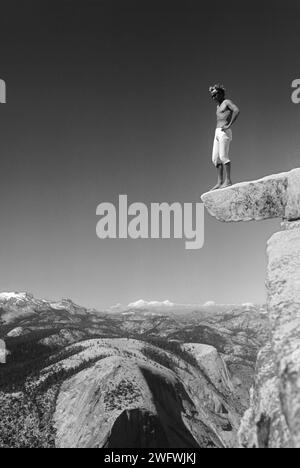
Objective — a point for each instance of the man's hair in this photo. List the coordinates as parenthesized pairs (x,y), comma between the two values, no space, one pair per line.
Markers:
(217,87)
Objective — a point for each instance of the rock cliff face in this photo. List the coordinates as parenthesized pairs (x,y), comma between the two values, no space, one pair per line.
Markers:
(214,366)
(264,424)
(143,389)
(273,419)
(283,284)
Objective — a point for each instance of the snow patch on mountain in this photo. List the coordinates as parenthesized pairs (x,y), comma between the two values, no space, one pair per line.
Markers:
(15,296)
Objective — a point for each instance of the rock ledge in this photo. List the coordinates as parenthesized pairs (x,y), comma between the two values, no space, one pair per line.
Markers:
(275,196)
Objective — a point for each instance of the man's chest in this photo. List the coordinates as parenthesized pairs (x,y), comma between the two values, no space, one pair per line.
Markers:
(223,111)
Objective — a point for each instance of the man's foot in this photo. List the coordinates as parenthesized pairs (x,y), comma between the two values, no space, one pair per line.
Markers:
(226,184)
(216,187)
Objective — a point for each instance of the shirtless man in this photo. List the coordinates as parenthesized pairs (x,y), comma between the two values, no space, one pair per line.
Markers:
(227,113)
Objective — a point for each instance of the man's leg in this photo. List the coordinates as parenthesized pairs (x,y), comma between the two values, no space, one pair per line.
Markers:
(220,172)
(227,181)
(217,163)
(224,156)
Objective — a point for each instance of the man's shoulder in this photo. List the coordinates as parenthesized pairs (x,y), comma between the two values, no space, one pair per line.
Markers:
(229,103)
(224,105)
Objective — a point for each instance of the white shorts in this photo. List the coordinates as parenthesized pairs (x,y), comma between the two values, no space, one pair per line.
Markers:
(222,142)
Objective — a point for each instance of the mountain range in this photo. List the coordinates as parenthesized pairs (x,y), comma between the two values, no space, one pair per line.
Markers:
(151,374)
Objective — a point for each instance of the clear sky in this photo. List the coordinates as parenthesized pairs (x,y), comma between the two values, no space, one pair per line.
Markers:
(110,97)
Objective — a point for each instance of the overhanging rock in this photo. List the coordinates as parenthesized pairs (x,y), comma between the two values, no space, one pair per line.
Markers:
(275,196)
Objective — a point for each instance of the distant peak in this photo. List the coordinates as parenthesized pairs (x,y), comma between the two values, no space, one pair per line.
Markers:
(6,296)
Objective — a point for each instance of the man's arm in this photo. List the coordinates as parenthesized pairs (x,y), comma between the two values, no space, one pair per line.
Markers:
(235,112)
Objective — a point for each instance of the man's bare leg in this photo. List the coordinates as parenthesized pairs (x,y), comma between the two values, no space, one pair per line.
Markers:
(220,177)
(227,181)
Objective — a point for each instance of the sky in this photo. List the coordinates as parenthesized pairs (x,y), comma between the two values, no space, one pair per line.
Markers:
(110,97)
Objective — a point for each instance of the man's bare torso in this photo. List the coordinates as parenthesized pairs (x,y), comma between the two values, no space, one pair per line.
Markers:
(224,114)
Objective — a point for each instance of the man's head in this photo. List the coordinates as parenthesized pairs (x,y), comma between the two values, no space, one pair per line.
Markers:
(217,92)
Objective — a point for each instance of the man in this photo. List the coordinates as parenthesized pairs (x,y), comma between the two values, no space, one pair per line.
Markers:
(227,113)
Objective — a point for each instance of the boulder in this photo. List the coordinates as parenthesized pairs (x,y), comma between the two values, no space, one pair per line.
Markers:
(19,331)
